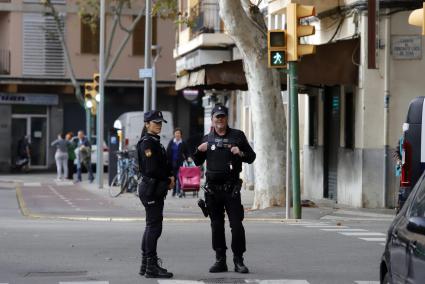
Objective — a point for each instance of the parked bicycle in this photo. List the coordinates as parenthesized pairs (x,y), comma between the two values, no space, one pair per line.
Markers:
(126,179)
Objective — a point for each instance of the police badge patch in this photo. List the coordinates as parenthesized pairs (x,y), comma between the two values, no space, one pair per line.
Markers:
(148,153)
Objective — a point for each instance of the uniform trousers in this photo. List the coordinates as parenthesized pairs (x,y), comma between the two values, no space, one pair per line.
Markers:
(218,202)
(153,229)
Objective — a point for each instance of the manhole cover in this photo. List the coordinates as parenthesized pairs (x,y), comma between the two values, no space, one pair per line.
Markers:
(224,281)
(55,273)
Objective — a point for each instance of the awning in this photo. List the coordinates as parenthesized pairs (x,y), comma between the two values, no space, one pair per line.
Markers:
(227,75)
(332,64)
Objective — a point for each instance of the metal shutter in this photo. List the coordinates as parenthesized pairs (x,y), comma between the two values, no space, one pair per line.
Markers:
(43,54)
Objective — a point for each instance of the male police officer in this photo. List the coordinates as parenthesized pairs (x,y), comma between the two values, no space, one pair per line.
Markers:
(225,149)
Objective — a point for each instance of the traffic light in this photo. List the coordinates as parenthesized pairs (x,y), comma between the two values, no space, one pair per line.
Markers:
(417,18)
(276,43)
(96,78)
(88,94)
(295,12)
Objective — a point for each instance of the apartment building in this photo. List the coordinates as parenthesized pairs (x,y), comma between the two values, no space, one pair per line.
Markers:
(356,89)
(36,95)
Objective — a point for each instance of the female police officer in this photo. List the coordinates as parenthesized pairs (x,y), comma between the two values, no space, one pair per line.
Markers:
(156,181)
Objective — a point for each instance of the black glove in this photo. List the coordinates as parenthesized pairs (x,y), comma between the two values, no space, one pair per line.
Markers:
(203,206)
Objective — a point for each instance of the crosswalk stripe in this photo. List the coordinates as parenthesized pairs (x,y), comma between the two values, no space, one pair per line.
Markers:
(64,183)
(86,282)
(382,244)
(361,234)
(373,239)
(326,226)
(307,224)
(344,230)
(179,282)
(283,281)
(32,184)
(367,282)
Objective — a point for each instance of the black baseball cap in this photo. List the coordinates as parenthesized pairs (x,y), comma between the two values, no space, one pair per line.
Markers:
(219,109)
(154,115)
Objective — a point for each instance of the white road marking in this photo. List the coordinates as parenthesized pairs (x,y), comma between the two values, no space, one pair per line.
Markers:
(86,282)
(382,244)
(32,184)
(361,234)
(325,226)
(373,239)
(179,282)
(366,282)
(308,224)
(344,230)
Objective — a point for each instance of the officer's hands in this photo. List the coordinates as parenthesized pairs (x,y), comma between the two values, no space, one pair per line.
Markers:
(236,151)
(172,183)
(203,147)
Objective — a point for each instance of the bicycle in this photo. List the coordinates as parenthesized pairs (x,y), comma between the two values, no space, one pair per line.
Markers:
(126,178)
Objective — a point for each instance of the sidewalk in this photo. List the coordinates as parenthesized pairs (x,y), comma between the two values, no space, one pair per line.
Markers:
(128,207)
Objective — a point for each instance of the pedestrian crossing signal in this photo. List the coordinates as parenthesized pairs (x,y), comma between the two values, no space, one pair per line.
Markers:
(276,43)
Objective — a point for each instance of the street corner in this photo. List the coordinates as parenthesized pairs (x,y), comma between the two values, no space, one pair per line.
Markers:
(69,201)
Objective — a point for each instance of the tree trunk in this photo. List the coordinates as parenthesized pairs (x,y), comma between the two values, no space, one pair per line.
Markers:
(265,100)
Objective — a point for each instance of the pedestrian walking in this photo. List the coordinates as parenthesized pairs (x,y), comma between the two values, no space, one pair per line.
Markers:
(61,157)
(177,153)
(225,149)
(71,155)
(157,179)
(83,153)
(402,157)
(23,154)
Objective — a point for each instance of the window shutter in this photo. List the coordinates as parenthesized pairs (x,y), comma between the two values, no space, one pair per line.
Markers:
(43,54)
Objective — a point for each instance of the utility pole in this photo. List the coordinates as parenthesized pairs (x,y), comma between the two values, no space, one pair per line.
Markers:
(100,114)
(148,54)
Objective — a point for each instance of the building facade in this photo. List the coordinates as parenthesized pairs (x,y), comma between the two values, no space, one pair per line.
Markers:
(36,95)
(357,89)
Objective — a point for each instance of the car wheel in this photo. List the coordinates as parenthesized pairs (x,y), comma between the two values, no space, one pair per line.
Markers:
(387,279)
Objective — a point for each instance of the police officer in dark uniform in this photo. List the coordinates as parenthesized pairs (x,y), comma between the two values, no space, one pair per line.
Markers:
(156,180)
(225,149)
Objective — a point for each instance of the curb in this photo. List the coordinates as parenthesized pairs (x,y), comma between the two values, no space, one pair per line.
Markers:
(26,212)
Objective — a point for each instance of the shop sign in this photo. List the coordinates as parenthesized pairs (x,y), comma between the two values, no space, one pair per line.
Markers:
(28,99)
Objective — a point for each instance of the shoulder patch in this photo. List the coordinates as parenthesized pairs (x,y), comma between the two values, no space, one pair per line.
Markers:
(148,153)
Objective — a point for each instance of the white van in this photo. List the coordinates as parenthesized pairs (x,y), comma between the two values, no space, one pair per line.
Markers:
(132,126)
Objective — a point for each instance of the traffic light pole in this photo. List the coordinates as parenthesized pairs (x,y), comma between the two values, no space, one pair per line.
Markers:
(88,122)
(148,55)
(295,138)
(101,104)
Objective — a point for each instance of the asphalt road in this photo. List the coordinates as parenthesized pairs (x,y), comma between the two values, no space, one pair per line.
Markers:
(60,251)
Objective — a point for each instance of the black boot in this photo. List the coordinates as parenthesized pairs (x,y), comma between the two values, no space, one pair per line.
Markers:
(239,265)
(220,264)
(154,270)
(143,266)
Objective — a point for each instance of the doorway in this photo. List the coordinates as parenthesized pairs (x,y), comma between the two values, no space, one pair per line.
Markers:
(332,106)
(34,127)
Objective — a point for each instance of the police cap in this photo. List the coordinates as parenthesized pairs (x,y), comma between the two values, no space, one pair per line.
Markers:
(219,109)
(154,115)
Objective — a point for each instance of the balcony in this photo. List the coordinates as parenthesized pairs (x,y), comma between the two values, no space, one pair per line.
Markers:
(207,30)
(4,62)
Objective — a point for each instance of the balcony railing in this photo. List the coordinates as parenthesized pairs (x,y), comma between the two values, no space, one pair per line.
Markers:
(206,18)
(4,62)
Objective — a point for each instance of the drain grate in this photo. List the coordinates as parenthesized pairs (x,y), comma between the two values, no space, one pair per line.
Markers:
(223,281)
(55,273)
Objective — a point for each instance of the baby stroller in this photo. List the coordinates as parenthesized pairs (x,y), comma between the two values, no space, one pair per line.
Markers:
(190,178)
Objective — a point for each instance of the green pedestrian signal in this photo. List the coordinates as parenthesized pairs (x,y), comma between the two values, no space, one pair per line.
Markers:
(277,59)
(276,43)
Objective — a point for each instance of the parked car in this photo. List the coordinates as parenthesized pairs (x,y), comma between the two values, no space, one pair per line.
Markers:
(403,260)
(94,153)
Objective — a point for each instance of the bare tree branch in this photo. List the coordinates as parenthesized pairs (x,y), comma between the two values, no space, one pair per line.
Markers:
(70,68)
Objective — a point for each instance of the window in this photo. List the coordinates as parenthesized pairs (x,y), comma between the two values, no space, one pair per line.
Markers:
(89,39)
(139,36)
(312,121)
(349,120)
(418,203)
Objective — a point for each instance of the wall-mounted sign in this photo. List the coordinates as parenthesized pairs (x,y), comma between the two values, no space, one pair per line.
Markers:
(406,47)
(28,99)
